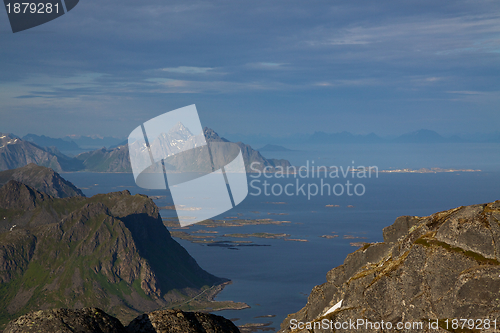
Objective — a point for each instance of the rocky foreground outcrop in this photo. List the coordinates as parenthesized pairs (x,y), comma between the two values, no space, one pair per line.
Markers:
(66,321)
(93,320)
(173,321)
(442,267)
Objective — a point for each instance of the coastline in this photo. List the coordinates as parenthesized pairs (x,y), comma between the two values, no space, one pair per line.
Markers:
(205,301)
(219,288)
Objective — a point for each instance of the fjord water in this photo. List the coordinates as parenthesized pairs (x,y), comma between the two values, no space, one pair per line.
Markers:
(276,279)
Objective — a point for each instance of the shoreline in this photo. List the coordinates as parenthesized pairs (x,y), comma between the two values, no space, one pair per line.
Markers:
(205,301)
(218,290)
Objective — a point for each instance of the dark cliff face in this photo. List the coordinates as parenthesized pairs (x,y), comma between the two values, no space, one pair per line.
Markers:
(42,179)
(111,251)
(443,266)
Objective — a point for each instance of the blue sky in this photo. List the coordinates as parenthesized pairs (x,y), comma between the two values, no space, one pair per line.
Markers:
(256,67)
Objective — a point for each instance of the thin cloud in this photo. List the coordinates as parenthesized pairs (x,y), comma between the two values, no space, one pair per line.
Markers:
(173,86)
(464,92)
(349,83)
(188,70)
(424,81)
(414,36)
(267,65)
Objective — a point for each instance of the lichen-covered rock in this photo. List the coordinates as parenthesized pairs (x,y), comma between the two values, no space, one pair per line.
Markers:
(176,321)
(88,320)
(94,320)
(444,266)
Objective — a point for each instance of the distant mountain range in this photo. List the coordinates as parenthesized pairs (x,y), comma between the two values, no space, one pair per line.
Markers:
(74,144)
(45,141)
(420,136)
(94,142)
(16,152)
(45,151)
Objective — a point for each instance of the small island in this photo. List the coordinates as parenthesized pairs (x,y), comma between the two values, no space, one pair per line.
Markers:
(210,237)
(329,236)
(174,222)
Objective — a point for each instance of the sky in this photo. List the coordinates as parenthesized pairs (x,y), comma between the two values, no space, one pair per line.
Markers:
(273,67)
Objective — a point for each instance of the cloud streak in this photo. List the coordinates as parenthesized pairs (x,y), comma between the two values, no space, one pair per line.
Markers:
(188,70)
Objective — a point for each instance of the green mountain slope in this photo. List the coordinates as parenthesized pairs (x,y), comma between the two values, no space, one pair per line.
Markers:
(109,251)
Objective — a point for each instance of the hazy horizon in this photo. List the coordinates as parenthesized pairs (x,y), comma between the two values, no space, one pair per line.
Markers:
(262,137)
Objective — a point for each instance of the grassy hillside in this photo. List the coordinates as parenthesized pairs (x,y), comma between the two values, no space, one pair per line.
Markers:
(109,251)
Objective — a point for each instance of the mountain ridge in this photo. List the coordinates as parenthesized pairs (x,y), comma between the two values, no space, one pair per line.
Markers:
(111,251)
(45,141)
(42,179)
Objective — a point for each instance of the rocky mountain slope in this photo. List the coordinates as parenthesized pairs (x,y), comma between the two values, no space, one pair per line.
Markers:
(110,251)
(42,179)
(66,321)
(106,160)
(178,139)
(93,320)
(15,153)
(250,155)
(442,267)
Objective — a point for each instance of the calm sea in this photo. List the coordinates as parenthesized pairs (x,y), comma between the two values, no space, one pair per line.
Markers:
(276,280)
